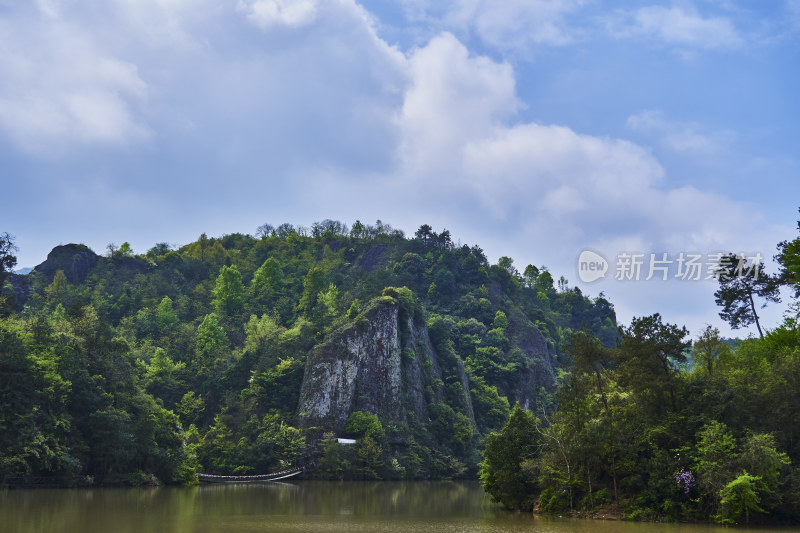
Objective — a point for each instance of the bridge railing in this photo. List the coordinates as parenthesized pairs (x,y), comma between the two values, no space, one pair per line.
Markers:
(256,477)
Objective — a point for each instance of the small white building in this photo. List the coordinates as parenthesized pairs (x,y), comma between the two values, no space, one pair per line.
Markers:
(346,442)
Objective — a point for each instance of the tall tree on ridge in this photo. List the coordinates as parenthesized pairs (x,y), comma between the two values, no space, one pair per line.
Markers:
(739,281)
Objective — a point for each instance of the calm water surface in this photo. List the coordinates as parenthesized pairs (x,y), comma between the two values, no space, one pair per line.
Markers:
(302,506)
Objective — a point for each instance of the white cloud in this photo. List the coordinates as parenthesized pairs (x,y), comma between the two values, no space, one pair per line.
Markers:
(58,87)
(511,25)
(50,8)
(458,133)
(270,13)
(163,25)
(326,119)
(66,84)
(685,137)
(542,193)
(518,23)
(537,164)
(452,99)
(682,27)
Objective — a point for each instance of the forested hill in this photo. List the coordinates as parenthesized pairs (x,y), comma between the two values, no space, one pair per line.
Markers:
(659,427)
(243,354)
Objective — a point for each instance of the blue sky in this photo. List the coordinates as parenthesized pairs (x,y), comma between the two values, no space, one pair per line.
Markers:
(534,128)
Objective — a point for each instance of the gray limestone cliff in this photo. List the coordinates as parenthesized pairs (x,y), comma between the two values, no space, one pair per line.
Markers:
(540,369)
(382,363)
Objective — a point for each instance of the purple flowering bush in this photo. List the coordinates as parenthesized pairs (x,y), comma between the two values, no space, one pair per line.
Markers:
(685,478)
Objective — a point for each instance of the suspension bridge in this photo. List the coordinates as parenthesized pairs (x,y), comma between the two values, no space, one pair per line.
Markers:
(274,476)
(308,461)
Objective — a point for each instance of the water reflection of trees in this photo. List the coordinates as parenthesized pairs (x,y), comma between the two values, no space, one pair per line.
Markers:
(206,507)
(332,498)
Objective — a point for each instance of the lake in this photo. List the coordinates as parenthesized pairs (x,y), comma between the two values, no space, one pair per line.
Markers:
(301,506)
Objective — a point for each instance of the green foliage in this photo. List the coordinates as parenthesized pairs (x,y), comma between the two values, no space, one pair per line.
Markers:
(491,409)
(409,306)
(212,343)
(544,283)
(362,424)
(789,259)
(166,319)
(370,457)
(709,351)
(76,422)
(327,308)
(262,334)
(135,367)
(34,423)
(7,257)
(229,292)
(277,388)
(740,497)
(7,262)
(139,368)
(312,286)
(649,359)
(721,450)
(207,251)
(162,377)
(452,429)
(371,443)
(715,456)
(760,456)
(190,407)
(125,250)
(500,321)
(740,281)
(332,464)
(501,471)
(257,445)
(268,288)
(58,293)
(358,231)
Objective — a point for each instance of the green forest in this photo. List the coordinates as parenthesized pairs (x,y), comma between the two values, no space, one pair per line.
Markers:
(663,427)
(249,354)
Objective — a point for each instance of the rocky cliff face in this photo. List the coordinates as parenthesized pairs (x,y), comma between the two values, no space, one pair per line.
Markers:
(76,260)
(540,370)
(383,363)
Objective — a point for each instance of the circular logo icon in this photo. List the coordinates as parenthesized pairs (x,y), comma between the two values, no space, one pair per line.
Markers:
(591,266)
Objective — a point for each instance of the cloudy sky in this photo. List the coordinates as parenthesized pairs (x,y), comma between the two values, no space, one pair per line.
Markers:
(534,128)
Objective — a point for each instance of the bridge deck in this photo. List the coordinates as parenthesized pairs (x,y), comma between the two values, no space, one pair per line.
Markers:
(275,476)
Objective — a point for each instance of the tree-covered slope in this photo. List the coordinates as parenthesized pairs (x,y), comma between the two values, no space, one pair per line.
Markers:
(222,353)
(650,429)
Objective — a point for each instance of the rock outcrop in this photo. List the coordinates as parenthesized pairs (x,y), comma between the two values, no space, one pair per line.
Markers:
(76,260)
(382,363)
(540,369)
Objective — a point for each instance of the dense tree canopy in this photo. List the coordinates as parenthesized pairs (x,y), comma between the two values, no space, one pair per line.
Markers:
(137,367)
(7,262)
(647,428)
(192,357)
